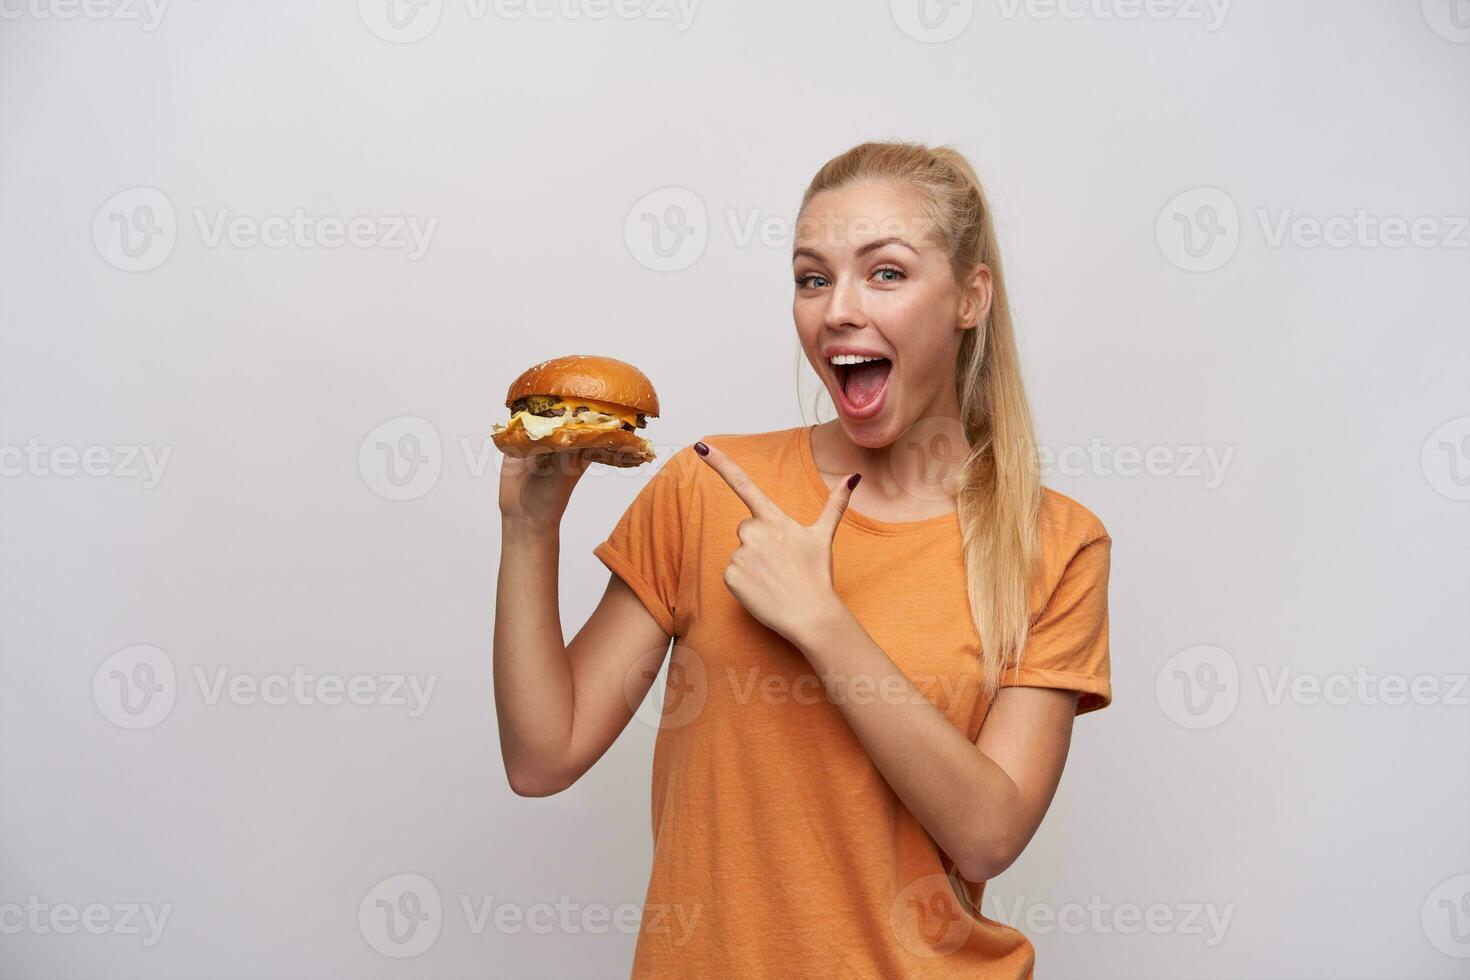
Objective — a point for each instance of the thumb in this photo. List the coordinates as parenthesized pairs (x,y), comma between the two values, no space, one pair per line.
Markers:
(567,465)
(575,465)
(837,504)
(580,462)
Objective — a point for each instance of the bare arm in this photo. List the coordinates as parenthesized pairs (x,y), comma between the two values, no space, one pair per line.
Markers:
(981,802)
(559,706)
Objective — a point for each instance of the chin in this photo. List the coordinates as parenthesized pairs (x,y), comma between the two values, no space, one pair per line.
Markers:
(874,433)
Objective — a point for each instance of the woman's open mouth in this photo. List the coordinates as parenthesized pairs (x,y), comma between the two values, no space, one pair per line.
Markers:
(861,387)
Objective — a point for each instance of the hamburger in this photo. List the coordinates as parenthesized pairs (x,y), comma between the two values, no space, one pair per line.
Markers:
(580,403)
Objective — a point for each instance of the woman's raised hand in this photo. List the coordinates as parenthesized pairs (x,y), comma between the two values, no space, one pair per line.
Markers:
(534,490)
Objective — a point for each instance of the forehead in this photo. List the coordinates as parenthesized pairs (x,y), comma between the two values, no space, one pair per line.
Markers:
(843,219)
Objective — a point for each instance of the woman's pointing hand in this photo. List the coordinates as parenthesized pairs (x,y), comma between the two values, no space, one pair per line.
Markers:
(782,570)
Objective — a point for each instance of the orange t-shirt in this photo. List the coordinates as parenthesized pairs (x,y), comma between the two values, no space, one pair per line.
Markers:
(779,848)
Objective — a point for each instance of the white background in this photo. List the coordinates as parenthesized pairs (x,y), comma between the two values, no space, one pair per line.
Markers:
(1332,378)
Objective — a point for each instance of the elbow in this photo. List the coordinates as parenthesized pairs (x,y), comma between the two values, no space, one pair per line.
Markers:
(974,870)
(984,852)
(534,774)
(535,784)
(983,862)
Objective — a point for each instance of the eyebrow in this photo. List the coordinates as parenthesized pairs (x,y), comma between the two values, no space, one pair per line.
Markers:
(864,250)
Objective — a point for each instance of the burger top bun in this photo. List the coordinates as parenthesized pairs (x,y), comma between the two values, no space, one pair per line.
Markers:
(602,379)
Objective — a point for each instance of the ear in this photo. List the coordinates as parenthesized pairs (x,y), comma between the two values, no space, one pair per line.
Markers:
(978,296)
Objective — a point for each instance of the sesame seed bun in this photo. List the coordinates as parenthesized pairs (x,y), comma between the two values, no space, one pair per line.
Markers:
(603,379)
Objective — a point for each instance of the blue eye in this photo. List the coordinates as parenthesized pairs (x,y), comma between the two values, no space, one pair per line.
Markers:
(898,273)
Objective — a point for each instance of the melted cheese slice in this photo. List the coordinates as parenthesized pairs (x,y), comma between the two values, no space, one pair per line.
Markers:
(601,415)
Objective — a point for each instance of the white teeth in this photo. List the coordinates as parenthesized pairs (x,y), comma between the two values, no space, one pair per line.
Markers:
(853,358)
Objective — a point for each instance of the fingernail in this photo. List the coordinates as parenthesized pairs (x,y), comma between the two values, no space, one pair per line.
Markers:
(701,448)
(852,481)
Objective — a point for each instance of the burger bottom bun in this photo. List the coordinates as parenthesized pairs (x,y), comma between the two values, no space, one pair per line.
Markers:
(615,447)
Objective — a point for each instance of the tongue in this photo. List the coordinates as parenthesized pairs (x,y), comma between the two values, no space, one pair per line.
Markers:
(865,381)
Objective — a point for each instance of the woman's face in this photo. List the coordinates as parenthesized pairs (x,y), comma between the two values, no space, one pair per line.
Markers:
(873,279)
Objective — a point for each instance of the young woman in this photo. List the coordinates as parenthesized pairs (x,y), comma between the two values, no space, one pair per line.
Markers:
(873,683)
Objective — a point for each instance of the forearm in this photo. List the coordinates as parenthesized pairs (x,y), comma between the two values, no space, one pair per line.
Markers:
(957,793)
(532,675)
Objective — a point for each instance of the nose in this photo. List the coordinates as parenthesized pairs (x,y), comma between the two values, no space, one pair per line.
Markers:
(844,306)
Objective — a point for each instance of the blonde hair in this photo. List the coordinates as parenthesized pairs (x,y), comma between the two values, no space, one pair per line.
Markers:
(999,486)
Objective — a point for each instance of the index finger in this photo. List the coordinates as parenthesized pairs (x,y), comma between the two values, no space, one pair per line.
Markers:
(760,505)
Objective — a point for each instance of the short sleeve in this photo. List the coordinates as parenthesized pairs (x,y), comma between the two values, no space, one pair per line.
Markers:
(1068,644)
(646,546)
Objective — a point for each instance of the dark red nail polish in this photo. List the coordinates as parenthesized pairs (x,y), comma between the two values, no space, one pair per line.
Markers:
(701,448)
(852,481)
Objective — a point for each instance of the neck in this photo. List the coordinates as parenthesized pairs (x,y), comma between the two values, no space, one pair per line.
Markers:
(915,463)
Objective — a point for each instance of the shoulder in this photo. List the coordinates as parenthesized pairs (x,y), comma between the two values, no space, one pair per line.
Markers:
(756,453)
(1071,536)
(752,451)
(1076,551)
(771,459)
(752,444)
(1066,524)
